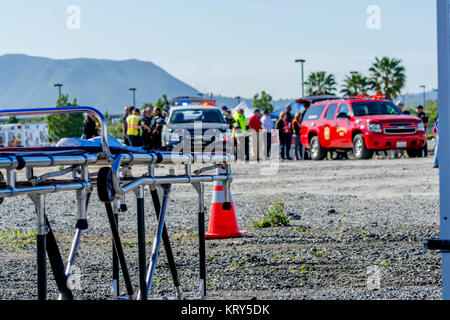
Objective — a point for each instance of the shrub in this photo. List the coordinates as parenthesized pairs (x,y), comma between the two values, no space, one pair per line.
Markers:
(276,217)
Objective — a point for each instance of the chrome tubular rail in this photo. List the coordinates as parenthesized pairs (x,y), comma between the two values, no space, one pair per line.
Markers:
(67,110)
(151,159)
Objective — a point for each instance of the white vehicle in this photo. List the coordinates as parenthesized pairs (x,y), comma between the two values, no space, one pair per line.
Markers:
(202,124)
(24,135)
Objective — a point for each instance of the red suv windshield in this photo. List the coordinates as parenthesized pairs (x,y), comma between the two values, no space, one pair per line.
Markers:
(370,108)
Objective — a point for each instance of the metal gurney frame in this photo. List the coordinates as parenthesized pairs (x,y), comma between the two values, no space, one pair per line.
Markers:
(113,182)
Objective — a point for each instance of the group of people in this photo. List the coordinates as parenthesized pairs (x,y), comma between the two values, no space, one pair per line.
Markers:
(143,130)
(288,126)
(137,130)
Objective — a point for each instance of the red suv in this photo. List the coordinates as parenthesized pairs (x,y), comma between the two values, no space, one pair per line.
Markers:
(361,124)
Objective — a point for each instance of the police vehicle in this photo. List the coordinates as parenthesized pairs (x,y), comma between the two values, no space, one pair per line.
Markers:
(197,123)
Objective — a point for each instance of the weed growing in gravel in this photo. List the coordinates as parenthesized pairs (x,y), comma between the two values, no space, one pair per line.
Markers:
(16,239)
(385,264)
(276,217)
(304,270)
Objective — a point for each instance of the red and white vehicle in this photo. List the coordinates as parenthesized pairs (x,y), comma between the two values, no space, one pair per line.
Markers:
(362,124)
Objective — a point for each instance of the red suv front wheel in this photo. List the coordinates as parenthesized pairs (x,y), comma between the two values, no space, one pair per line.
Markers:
(360,150)
(317,152)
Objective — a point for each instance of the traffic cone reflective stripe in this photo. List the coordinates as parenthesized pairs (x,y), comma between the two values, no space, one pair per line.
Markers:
(222,223)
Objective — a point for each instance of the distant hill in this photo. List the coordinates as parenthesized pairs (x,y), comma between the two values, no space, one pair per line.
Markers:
(28,82)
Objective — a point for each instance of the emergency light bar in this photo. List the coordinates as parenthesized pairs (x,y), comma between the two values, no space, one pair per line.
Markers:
(367,97)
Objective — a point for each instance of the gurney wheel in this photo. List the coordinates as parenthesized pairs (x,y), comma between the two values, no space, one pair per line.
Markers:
(105,188)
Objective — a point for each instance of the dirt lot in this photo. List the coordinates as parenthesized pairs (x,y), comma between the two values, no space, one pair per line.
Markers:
(346,218)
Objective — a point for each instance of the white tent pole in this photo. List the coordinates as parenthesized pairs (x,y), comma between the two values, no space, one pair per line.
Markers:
(443,24)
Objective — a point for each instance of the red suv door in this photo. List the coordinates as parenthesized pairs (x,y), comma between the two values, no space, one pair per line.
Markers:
(327,127)
(342,128)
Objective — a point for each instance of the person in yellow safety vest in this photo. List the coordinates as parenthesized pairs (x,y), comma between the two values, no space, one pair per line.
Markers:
(134,128)
(240,131)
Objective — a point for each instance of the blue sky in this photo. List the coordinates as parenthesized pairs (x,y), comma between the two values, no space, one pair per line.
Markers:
(231,47)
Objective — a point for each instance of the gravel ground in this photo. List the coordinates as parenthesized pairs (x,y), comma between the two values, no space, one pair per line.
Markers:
(346,217)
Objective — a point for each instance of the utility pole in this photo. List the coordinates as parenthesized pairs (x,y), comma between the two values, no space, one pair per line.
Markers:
(134,96)
(58,85)
(302,61)
(424,93)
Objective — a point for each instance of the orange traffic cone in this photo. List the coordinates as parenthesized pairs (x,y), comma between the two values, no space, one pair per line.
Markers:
(222,219)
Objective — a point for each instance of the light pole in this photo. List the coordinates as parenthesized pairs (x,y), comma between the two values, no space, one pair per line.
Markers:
(302,61)
(134,96)
(424,94)
(58,85)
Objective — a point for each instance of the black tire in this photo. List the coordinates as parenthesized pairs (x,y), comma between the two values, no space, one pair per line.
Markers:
(360,150)
(414,153)
(317,153)
(105,188)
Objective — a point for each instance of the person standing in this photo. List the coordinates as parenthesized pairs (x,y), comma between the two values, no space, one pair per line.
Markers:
(240,132)
(436,139)
(90,127)
(146,130)
(134,127)
(268,126)
(289,119)
(284,130)
(156,126)
(401,106)
(126,113)
(296,129)
(256,127)
(229,119)
(422,115)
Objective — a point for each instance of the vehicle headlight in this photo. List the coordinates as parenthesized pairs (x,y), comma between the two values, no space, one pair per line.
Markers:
(421,126)
(375,127)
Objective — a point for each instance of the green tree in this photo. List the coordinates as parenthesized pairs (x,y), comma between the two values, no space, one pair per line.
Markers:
(356,84)
(12,120)
(162,102)
(320,83)
(387,77)
(65,125)
(147,105)
(262,101)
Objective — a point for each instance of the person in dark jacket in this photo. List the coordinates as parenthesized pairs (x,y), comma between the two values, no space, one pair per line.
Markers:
(284,130)
(90,129)
(156,126)
(146,130)
(422,115)
(296,130)
(289,119)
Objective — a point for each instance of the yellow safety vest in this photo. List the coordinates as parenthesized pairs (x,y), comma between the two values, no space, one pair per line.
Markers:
(240,125)
(133,125)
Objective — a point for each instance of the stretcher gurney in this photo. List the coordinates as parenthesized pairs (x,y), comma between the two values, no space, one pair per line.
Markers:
(112,182)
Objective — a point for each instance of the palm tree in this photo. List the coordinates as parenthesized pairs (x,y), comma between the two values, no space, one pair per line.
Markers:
(356,84)
(319,83)
(388,77)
